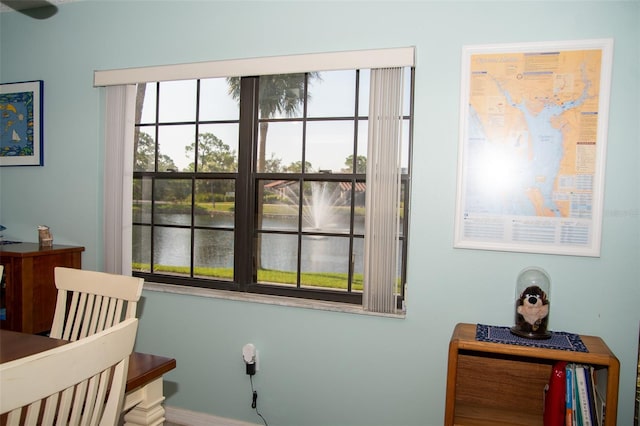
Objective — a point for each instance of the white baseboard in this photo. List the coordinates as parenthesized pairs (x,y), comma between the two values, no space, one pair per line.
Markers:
(193,418)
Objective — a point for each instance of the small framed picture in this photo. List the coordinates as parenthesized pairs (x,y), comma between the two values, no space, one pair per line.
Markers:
(21,123)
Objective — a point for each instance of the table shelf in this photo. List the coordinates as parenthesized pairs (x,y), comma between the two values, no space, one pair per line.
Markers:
(503,384)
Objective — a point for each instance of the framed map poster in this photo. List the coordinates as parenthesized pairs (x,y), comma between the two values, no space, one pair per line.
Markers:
(532,147)
(21,124)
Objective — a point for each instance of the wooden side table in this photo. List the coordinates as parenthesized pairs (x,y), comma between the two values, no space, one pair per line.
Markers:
(30,291)
(501,384)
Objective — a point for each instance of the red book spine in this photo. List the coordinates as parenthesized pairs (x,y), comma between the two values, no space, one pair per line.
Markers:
(555,398)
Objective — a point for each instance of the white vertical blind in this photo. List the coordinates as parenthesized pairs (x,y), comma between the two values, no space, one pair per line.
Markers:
(382,219)
(118,178)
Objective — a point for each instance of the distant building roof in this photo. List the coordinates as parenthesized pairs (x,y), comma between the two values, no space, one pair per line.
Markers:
(344,186)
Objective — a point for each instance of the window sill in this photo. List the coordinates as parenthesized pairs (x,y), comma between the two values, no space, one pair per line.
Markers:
(266,299)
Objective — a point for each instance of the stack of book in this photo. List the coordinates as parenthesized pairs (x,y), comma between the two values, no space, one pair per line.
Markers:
(582,395)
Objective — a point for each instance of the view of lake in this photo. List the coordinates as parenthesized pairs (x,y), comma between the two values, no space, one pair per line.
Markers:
(214,248)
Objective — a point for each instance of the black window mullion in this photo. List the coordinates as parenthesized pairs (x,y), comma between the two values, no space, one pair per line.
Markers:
(300,220)
(152,261)
(153,226)
(244,218)
(193,181)
(352,204)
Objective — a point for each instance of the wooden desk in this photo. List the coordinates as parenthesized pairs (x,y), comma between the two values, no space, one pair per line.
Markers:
(30,293)
(143,393)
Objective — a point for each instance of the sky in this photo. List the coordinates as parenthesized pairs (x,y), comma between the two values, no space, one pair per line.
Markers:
(329,143)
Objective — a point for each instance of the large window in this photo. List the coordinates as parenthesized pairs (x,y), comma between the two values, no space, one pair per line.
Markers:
(259,184)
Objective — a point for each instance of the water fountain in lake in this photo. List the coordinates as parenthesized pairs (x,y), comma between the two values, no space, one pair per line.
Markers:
(319,203)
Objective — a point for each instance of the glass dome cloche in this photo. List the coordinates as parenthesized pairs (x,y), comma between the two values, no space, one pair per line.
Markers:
(532,304)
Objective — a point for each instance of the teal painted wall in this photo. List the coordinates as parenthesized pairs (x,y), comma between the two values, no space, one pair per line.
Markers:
(326,368)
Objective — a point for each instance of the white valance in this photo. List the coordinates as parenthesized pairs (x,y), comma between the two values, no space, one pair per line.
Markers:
(290,64)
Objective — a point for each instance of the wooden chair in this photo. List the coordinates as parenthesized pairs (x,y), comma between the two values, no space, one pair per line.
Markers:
(90,301)
(82,382)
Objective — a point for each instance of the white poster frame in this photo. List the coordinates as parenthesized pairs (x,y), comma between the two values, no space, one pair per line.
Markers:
(576,227)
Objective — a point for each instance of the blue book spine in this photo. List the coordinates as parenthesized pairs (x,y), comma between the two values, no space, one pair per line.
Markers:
(569,397)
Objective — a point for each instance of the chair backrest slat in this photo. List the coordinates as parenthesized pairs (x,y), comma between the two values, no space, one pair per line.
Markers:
(82,382)
(89,302)
(50,406)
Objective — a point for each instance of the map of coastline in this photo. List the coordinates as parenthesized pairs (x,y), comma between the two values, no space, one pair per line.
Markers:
(533,121)
(530,147)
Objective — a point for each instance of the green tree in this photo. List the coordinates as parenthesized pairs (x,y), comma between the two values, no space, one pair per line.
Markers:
(144,155)
(213,154)
(296,167)
(141,90)
(361,164)
(273,164)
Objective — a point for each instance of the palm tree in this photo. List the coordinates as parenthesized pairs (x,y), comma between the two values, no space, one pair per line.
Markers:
(141,90)
(279,95)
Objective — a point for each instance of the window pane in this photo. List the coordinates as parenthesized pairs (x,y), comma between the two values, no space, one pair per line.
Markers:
(145,149)
(141,248)
(404,154)
(403,186)
(141,205)
(173,142)
(218,148)
(213,254)
(146,97)
(172,202)
(281,95)
(284,143)
(324,262)
(215,203)
(358,265)
(398,288)
(332,94)
(280,205)
(177,101)
(329,145)
(406,106)
(278,254)
(363,98)
(359,208)
(215,101)
(326,207)
(363,143)
(171,250)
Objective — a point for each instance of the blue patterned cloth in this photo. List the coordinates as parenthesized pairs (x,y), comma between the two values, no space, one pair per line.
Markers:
(558,340)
